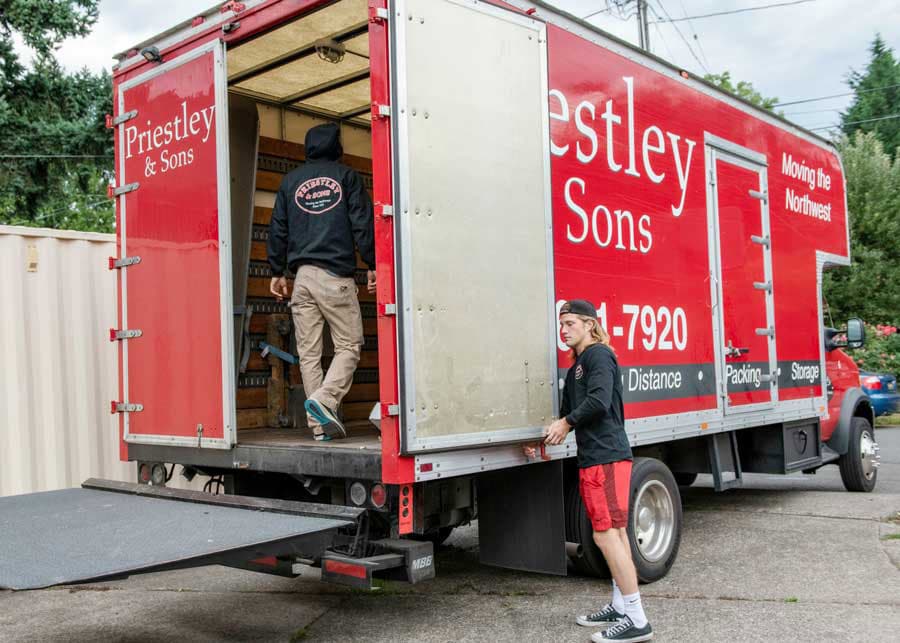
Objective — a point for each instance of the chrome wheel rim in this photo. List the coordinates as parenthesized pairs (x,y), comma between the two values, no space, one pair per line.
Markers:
(868,453)
(654,520)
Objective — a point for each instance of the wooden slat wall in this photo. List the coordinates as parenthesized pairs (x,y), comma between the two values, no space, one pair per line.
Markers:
(253,401)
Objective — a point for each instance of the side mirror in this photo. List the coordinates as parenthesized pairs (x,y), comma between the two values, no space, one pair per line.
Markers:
(856,333)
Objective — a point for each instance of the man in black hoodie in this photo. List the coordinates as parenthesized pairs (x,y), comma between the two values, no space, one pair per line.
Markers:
(322,208)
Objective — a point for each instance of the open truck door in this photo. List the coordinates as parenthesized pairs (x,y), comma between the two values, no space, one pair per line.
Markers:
(475,305)
(174,235)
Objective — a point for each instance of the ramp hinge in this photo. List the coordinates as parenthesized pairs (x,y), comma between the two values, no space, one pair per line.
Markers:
(386,210)
(125,407)
(762,241)
(765,332)
(125,189)
(388,309)
(380,111)
(121,118)
(762,196)
(763,285)
(123,262)
(115,335)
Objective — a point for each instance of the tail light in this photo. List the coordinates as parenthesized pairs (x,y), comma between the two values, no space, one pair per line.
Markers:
(358,494)
(378,495)
(872,383)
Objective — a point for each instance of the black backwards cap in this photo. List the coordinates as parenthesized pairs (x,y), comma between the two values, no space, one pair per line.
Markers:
(579,307)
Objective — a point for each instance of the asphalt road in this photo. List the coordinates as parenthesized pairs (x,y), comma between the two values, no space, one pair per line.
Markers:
(783,559)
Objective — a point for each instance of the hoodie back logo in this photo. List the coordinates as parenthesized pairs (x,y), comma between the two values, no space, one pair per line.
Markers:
(318,195)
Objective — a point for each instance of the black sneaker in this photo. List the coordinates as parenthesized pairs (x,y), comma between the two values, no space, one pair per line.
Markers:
(606,616)
(624,632)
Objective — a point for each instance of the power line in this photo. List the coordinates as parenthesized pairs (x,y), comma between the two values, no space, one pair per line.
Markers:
(867,120)
(858,91)
(694,31)
(681,35)
(733,11)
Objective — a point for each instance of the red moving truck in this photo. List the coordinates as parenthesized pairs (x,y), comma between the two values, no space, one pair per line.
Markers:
(517,157)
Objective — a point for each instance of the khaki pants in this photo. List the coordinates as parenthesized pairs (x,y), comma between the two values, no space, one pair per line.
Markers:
(321,297)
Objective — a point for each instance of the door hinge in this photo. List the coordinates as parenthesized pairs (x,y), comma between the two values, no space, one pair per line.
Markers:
(390,410)
(380,111)
(763,285)
(385,210)
(387,309)
(377,14)
(123,262)
(121,118)
(113,191)
(767,378)
(765,332)
(125,407)
(762,196)
(234,7)
(762,241)
(115,335)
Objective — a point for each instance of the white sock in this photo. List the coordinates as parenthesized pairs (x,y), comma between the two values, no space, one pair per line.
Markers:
(634,610)
(618,602)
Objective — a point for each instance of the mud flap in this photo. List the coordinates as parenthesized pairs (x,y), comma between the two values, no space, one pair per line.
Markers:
(521,523)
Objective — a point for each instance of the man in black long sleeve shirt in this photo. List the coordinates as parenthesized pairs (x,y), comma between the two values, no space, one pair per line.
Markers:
(592,406)
(322,214)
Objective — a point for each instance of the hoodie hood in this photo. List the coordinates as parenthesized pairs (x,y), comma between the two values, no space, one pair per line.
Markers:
(323,143)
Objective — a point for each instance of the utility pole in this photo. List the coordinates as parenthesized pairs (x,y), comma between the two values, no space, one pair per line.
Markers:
(643,25)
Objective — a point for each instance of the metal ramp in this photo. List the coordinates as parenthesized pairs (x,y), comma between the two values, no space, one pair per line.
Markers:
(108,530)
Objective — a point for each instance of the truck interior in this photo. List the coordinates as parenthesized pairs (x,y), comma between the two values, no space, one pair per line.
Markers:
(311,70)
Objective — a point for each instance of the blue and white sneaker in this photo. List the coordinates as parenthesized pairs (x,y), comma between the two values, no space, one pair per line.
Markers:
(327,418)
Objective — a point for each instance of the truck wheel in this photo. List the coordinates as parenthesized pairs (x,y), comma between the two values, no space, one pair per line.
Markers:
(579,530)
(654,525)
(685,479)
(859,468)
(435,536)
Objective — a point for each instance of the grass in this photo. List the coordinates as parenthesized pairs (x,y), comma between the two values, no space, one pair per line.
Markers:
(299,635)
(888,420)
(891,537)
(792,599)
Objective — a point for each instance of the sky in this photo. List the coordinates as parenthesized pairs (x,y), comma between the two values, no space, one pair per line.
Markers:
(794,52)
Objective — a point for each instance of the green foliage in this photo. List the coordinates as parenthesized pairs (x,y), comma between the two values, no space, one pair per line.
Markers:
(881,354)
(869,287)
(743,89)
(46,113)
(873,102)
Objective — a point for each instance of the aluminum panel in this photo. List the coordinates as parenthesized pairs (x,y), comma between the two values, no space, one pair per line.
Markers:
(473,222)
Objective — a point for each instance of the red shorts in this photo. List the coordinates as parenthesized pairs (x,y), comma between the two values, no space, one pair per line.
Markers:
(605,489)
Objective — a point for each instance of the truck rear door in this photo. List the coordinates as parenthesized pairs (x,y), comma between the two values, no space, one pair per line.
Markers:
(473,219)
(177,352)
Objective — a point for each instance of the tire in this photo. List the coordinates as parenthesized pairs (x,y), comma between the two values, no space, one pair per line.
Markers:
(435,536)
(858,466)
(654,521)
(652,560)
(579,530)
(685,479)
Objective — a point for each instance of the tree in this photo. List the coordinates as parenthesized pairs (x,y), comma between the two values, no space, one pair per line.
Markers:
(743,90)
(877,97)
(868,288)
(56,160)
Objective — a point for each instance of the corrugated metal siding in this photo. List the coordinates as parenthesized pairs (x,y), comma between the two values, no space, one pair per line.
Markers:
(58,368)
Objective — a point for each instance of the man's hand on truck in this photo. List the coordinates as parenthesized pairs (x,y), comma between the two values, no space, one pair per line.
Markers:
(556,433)
(279,288)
